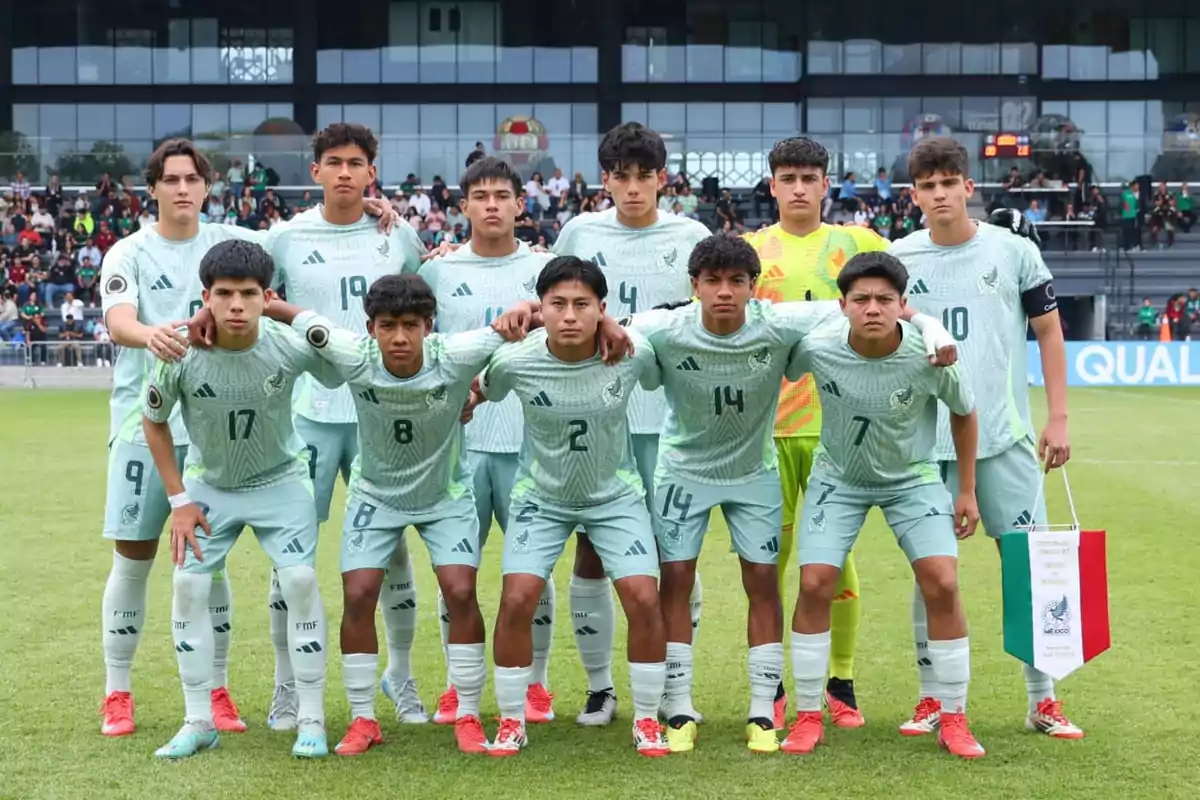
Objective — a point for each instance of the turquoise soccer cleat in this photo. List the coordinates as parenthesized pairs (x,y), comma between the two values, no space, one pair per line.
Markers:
(193,737)
(311,741)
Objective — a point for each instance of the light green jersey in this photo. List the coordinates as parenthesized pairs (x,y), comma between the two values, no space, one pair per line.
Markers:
(160,278)
(237,408)
(575,450)
(975,289)
(879,421)
(410,440)
(722,390)
(471,292)
(328,268)
(644,267)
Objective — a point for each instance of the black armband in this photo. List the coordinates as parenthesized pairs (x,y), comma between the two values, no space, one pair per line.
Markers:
(1040,300)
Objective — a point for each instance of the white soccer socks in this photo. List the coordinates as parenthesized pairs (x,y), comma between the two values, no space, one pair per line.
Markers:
(647,681)
(467,675)
(306,639)
(193,635)
(398,604)
(277,613)
(543,634)
(766,669)
(1038,685)
(676,699)
(594,616)
(810,665)
(920,623)
(220,611)
(512,683)
(123,612)
(952,673)
(360,672)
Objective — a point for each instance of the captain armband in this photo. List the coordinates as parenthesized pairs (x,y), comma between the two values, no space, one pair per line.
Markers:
(1040,300)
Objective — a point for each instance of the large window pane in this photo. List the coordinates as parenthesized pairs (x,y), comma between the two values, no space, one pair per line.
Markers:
(96,122)
(26,119)
(360,66)
(172,62)
(135,121)
(743,118)
(899,111)
(982,114)
(94,64)
(57,121)
(863,57)
(363,114)
(172,120)
(210,121)
(56,65)
(705,118)
(824,116)
(25,65)
(1127,117)
(402,120)
(207,64)
(668,117)
(981,59)
(862,115)
(439,120)
(782,118)
(133,56)
(245,117)
(1089,116)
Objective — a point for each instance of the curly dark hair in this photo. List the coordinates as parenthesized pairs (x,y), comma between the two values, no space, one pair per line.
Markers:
(397,295)
(798,151)
(721,251)
(341,134)
(875,264)
(237,259)
(632,144)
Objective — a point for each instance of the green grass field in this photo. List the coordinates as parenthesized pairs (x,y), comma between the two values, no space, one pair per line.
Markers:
(1135,474)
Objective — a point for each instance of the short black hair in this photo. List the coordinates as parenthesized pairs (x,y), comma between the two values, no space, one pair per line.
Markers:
(489,168)
(632,144)
(235,258)
(937,154)
(342,134)
(176,147)
(875,264)
(798,151)
(397,295)
(571,268)
(721,251)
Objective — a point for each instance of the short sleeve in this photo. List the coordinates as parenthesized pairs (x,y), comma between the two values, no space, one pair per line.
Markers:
(653,325)
(564,243)
(497,378)
(120,284)
(953,391)
(799,363)
(430,271)
(468,353)
(1033,270)
(414,248)
(162,392)
(274,241)
(646,362)
(333,348)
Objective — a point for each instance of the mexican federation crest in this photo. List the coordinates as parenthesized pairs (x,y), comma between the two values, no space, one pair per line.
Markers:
(274,383)
(989,282)
(902,398)
(613,393)
(130,514)
(436,398)
(1056,618)
(383,252)
(760,359)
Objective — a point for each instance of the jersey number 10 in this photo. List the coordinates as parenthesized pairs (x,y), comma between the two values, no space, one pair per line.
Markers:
(957,322)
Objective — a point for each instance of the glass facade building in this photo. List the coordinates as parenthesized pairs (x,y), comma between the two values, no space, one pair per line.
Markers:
(540,79)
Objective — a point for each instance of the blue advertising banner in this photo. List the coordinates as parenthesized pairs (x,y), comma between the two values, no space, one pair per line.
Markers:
(1125,364)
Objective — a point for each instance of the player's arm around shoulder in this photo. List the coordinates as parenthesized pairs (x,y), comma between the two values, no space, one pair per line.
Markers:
(412,254)
(327,347)
(644,362)
(499,376)
(467,353)
(791,321)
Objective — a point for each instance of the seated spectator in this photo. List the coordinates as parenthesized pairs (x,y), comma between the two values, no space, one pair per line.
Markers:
(883,220)
(455,217)
(578,190)
(862,214)
(305,203)
(10,317)
(689,201)
(763,198)
(146,219)
(1147,320)
(1177,319)
(848,196)
(410,184)
(236,177)
(666,200)
(444,200)
(727,210)
(1186,209)
(59,279)
(70,333)
(602,201)
(71,307)
(883,187)
(1191,310)
(1163,217)
(105,238)
(535,195)
(104,348)
(420,202)
(125,223)
(43,222)
(435,220)
(85,282)
(527,228)
(1035,213)
(38,275)
(558,188)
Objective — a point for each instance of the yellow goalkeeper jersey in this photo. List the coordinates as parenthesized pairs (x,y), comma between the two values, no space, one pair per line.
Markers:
(805,268)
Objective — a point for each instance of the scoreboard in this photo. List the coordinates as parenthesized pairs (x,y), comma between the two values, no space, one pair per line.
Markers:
(1006,145)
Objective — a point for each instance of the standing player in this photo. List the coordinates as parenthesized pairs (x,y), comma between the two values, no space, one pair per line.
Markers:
(326,259)
(472,286)
(409,389)
(151,280)
(575,469)
(644,255)
(877,444)
(988,286)
(245,466)
(801,258)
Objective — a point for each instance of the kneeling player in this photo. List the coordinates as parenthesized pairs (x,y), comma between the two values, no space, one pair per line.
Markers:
(575,468)
(245,466)
(879,396)
(409,388)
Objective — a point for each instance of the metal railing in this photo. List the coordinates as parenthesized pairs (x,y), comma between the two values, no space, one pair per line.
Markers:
(57,364)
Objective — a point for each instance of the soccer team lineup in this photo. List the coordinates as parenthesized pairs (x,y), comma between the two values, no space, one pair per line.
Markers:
(619,389)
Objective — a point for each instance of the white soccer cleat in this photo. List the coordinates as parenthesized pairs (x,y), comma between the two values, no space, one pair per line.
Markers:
(285,708)
(925,719)
(600,710)
(409,709)
(1048,718)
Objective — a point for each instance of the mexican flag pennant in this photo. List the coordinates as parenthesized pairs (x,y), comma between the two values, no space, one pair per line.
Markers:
(1055,584)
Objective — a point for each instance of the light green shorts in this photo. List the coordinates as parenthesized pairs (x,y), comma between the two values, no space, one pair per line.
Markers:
(1006,485)
(283,518)
(371,533)
(135,503)
(619,530)
(753,511)
(493,475)
(332,447)
(922,517)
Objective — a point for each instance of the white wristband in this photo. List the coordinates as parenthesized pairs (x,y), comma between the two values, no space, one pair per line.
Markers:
(179,500)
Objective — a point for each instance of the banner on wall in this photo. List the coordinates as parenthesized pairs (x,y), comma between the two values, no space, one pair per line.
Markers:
(1125,364)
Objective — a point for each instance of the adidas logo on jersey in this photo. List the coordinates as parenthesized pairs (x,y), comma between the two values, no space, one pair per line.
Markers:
(369,395)
(462,291)
(775,273)
(163,282)
(204,391)
(832,388)
(541,399)
(771,546)
(314,257)
(688,365)
(919,288)
(636,550)
(598,260)
(462,547)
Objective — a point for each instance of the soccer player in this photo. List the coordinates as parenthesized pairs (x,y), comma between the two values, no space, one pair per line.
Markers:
(801,257)
(245,466)
(326,258)
(575,469)
(409,388)
(988,285)
(472,286)
(879,395)
(644,254)
(722,365)
(152,280)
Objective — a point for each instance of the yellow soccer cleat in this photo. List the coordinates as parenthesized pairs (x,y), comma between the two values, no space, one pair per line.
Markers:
(682,733)
(760,739)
